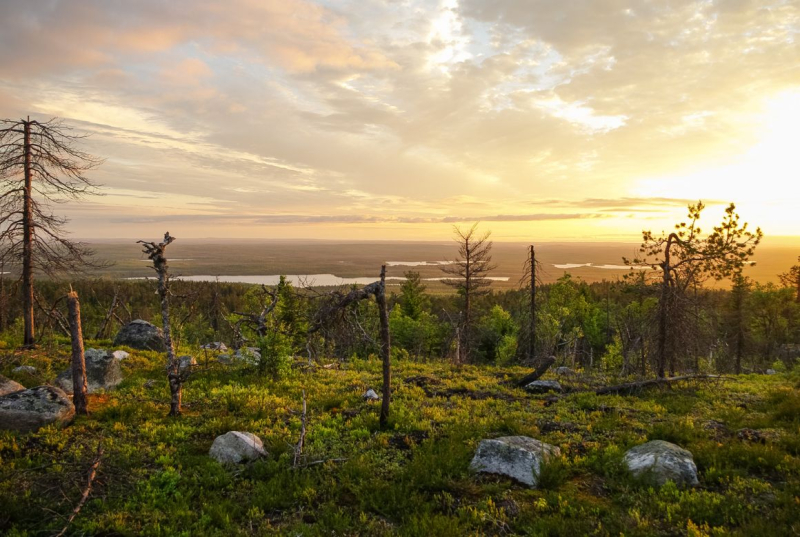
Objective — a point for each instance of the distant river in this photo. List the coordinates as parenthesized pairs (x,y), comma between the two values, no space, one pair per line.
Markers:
(303,279)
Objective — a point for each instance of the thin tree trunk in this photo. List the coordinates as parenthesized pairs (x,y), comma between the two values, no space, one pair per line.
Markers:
(29,339)
(386,349)
(533,305)
(541,370)
(663,312)
(79,388)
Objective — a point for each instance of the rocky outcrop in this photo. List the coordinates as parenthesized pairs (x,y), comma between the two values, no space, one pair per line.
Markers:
(518,457)
(141,335)
(234,447)
(103,372)
(32,409)
(8,386)
(659,461)
(544,386)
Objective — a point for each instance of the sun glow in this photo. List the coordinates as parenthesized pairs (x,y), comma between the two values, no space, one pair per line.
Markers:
(763,181)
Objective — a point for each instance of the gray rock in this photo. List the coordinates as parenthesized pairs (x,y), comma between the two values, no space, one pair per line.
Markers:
(120,355)
(186,361)
(662,461)
(518,457)
(544,386)
(29,410)
(103,372)
(141,335)
(8,386)
(29,369)
(215,346)
(234,447)
(771,372)
(370,395)
(564,370)
(248,355)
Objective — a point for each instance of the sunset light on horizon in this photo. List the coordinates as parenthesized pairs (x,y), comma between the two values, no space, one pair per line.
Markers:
(543,120)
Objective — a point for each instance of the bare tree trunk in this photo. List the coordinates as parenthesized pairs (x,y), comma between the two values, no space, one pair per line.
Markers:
(663,311)
(78,359)
(386,349)
(541,370)
(533,305)
(156,253)
(29,339)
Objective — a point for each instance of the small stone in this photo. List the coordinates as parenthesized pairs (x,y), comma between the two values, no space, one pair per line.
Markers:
(8,386)
(120,355)
(771,372)
(370,395)
(234,447)
(29,369)
(662,461)
(518,457)
(29,410)
(544,386)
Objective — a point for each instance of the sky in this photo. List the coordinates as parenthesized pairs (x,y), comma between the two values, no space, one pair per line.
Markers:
(543,119)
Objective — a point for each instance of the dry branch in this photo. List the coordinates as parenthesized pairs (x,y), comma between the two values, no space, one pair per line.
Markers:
(298,450)
(87,490)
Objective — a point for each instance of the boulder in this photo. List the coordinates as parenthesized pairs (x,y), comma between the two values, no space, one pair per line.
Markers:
(29,369)
(662,461)
(103,372)
(141,335)
(234,447)
(518,457)
(370,395)
(8,386)
(771,372)
(29,410)
(120,355)
(249,355)
(544,386)
(186,361)
(215,346)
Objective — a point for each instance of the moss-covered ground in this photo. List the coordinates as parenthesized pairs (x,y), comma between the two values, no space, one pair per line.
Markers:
(413,478)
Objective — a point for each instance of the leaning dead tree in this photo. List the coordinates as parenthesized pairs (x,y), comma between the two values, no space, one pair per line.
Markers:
(336,304)
(78,359)
(155,252)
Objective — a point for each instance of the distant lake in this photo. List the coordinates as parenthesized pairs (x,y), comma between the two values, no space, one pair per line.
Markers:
(605,267)
(322,280)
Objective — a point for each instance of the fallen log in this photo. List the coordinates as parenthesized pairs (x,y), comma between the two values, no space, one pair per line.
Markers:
(541,370)
(631,387)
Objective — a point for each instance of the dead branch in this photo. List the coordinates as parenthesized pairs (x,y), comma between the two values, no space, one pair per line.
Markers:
(109,315)
(53,313)
(87,490)
(298,449)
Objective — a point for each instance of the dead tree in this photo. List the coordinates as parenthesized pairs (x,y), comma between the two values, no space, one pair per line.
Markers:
(468,277)
(40,166)
(337,303)
(78,359)
(155,252)
(541,370)
(111,314)
(258,321)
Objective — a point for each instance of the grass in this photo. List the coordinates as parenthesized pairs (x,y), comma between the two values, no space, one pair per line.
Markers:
(411,479)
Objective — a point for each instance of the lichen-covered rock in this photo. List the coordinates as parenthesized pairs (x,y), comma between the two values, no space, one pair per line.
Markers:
(141,335)
(215,346)
(662,461)
(186,361)
(29,410)
(103,372)
(544,386)
(234,447)
(518,457)
(29,369)
(8,386)
(370,395)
